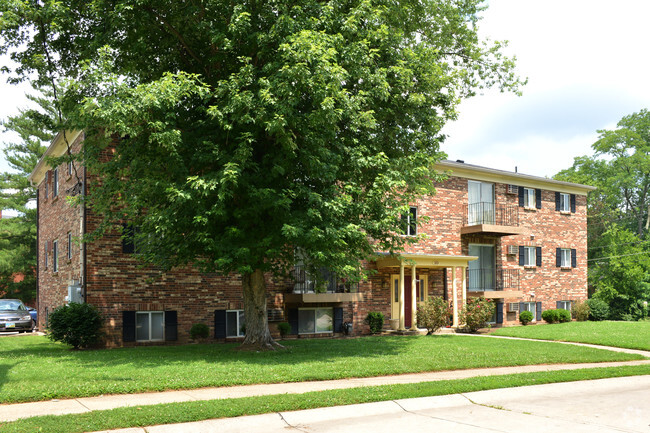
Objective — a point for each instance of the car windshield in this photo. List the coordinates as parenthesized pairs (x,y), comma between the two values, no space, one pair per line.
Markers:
(10,305)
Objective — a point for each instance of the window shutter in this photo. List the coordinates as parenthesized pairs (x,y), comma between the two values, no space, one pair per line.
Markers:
(219,323)
(338,319)
(573,203)
(538,256)
(499,312)
(128,326)
(522,253)
(557,201)
(558,257)
(538,198)
(557,304)
(128,247)
(539,311)
(171,326)
(521,195)
(293,320)
(574,258)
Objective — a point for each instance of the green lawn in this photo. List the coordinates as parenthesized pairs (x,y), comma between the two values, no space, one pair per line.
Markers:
(201,410)
(33,368)
(631,335)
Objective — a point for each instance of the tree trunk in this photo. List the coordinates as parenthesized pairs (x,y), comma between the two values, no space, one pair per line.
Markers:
(258,337)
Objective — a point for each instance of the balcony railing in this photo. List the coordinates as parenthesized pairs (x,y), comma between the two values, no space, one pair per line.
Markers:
(491,213)
(324,282)
(488,279)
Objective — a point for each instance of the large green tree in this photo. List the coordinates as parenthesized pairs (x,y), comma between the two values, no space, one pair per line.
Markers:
(233,134)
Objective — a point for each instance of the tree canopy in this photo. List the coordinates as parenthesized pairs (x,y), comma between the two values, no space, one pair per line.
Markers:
(239,132)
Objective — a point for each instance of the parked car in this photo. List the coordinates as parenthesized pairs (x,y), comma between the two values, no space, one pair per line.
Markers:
(34,313)
(14,316)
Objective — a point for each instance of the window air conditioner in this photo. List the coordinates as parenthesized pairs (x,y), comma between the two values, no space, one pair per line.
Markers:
(513,249)
(513,307)
(513,189)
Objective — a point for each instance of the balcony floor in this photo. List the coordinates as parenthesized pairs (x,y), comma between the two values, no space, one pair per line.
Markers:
(493,229)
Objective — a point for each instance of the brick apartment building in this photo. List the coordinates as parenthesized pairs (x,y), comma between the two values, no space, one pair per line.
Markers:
(518,239)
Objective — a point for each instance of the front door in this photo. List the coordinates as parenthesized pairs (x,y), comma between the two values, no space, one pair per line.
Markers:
(481,274)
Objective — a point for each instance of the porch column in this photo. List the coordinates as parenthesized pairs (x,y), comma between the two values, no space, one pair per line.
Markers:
(401,296)
(454,296)
(464,287)
(414,300)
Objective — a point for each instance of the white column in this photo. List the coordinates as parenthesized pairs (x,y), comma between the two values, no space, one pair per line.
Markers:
(414,300)
(464,287)
(454,296)
(401,296)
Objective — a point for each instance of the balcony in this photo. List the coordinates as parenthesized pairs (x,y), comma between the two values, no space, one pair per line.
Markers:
(491,218)
(493,283)
(324,287)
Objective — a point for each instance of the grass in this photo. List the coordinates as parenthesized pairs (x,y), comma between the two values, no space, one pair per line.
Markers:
(630,335)
(33,368)
(200,410)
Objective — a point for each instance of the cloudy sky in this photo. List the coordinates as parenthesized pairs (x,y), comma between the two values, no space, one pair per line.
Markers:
(587,64)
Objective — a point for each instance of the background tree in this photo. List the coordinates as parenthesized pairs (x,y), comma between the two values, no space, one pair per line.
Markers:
(34,129)
(619,251)
(251,130)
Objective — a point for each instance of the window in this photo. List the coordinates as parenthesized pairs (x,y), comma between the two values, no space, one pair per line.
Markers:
(315,320)
(149,326)
(566,305)
(565,257)
(55,183)
(530,258)
(47,247)
(409,222)
(69,246)
(529,197)
(69,168)
(55,256)
(47,185)
(480,203)
(529,306)
(235,323)
(565,203)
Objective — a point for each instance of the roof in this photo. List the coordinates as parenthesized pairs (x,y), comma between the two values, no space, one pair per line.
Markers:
(477,172)
(57,148)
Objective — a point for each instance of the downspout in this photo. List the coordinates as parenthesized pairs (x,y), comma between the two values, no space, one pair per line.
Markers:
(83,272)
(38,255)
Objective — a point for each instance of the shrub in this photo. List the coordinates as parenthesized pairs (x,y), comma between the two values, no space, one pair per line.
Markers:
(598,309)
(476,313)
(375,320)
(434,314)
(199,330)
(550,316)
(580,311)
(525,317)
(284,328)
(78,325)
(564,315)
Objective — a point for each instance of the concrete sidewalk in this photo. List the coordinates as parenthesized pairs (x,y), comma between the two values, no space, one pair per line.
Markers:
(12,412)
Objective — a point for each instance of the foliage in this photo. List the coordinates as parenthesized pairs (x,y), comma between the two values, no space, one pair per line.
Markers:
(564,316)
(434,314)
(79,325)
(199,330)
(598,309)
(580,311)
(525,317)
(476,313)
(375,320)
(551,316)
(284,328)
(320,119)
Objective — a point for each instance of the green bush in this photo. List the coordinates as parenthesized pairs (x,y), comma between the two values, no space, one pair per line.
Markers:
(580,311)
(79,325)
(476,313)
(563,315)
(433,314)
(199,330)
(525,317)
(550,316)
(284,328)
(598,309)
(375,320)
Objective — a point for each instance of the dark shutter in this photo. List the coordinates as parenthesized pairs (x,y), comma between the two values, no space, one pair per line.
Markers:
(499,312)
(171,326)
(128,246)
(338,319)
(538,256)
(520,190)
(557,304)
(538,198)
(522,253)
(293,320)
(539,311)
(573,203)
(558,257)
(219,323)
(574,258)
(557,201)
(128,326)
